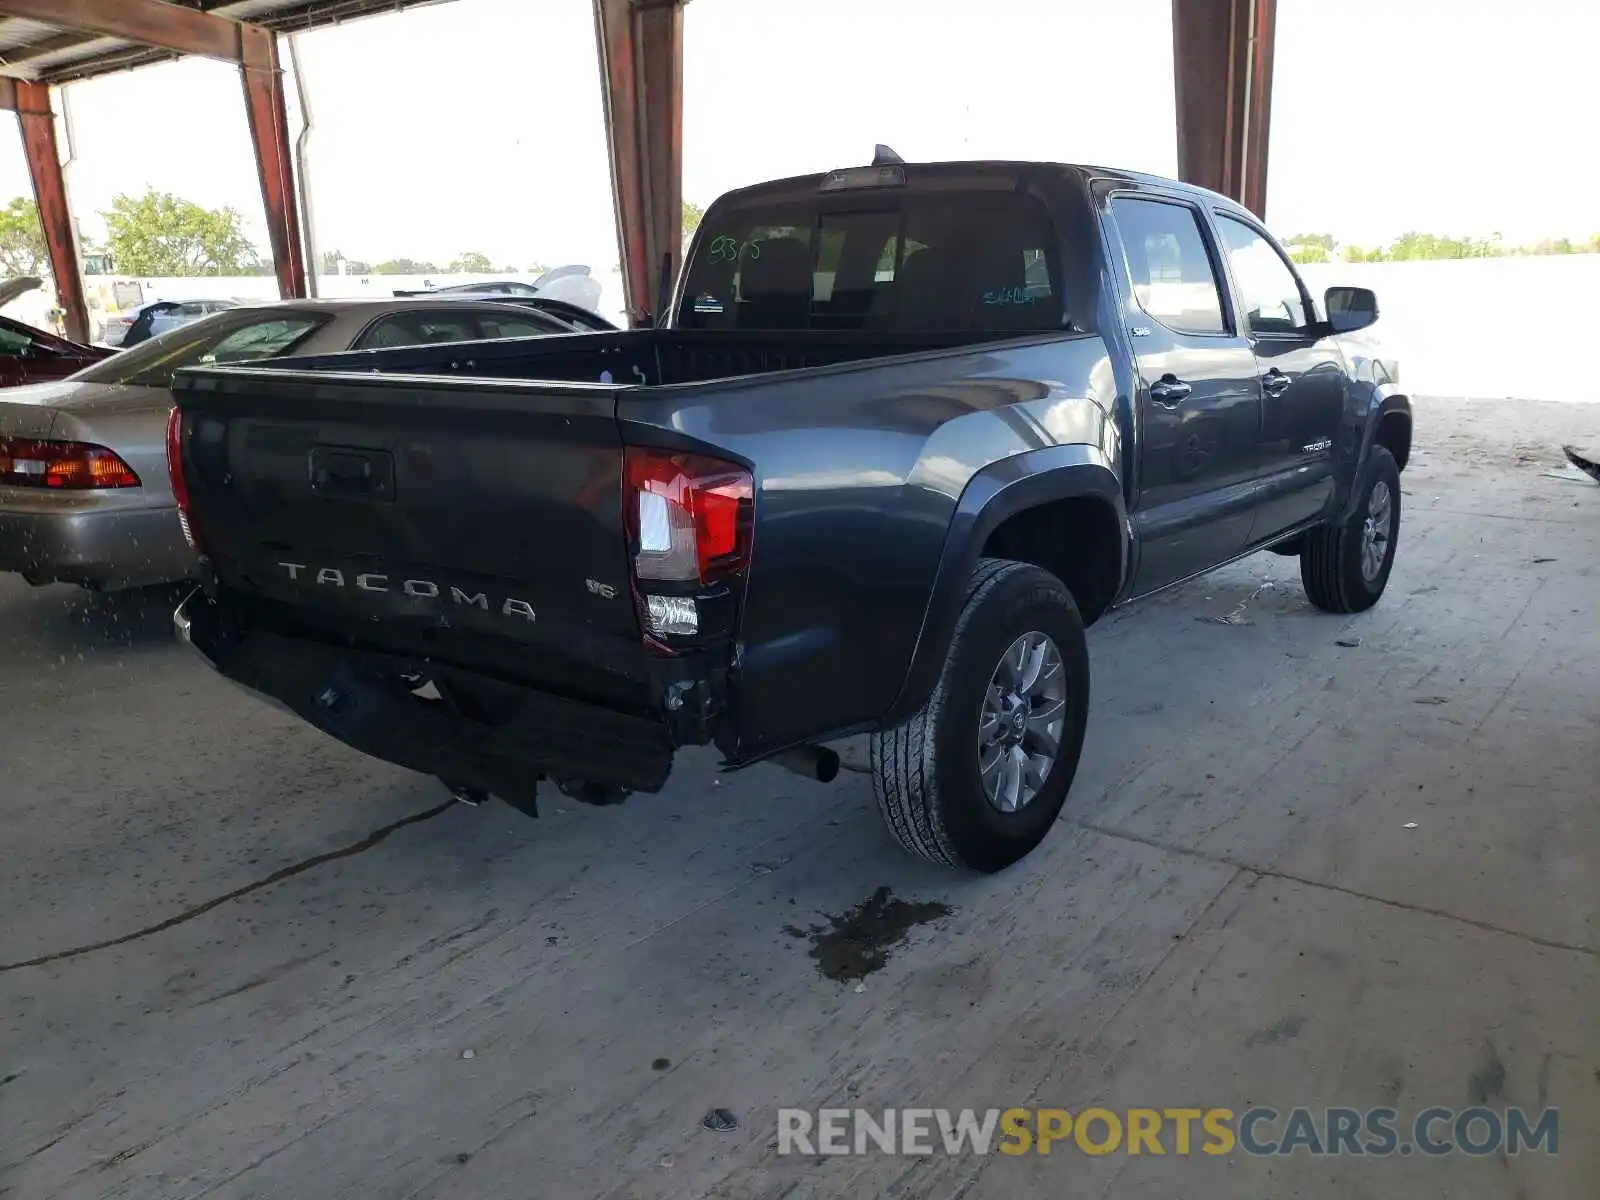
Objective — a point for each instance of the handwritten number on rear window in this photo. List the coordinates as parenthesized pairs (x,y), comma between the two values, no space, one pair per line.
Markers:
(725,249)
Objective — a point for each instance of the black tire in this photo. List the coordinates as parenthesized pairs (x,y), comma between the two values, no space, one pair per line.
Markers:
(925,772)
(1331,560)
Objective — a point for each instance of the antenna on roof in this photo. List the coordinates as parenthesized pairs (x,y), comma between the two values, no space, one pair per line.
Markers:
(882,156)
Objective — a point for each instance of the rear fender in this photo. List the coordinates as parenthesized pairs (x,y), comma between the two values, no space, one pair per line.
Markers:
(26,420)
(999,491)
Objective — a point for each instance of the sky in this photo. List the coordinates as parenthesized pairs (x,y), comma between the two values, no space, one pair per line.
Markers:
(476,124)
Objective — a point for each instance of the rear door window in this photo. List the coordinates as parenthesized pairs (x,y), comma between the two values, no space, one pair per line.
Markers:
(956,260)
(1174,279)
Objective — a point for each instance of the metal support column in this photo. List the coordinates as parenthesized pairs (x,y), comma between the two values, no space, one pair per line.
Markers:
(641,74)
(269,131)
(302,169)
(31,102)
(1222,66)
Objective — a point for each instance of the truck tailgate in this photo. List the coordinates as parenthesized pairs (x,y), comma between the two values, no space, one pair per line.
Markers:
(474,505)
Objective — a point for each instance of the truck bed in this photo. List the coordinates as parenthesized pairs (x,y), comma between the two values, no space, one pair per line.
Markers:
(467,508)
(641,357)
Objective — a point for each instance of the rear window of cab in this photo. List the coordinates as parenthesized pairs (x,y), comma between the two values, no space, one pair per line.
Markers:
(888,260)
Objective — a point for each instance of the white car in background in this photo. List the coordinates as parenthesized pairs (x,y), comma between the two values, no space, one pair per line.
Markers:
(158,317)
(573,284)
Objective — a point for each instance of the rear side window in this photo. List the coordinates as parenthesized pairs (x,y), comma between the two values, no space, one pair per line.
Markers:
(502,325)
(959,261)
(418,329)
(1173,276)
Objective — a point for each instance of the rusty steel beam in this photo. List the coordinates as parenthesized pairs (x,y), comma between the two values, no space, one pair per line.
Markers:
(1222,53)
(641,75)
(51,45)
(269,132)
(31,103)
(149,22)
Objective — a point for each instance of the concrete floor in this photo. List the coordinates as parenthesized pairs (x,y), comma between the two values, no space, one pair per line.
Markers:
(292,949)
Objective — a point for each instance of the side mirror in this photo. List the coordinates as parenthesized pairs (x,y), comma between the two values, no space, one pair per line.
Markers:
(1350,308)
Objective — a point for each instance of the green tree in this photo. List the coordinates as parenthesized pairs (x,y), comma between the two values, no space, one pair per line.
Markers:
(1308,252)
(693,214)
(1325,240)
(21,239)
(473,262)
(162,234)
(405,266)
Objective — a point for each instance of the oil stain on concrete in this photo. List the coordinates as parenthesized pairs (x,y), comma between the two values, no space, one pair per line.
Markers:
(857,942)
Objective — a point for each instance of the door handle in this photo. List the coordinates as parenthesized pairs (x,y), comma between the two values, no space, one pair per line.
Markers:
(1275,382)
(1169,391)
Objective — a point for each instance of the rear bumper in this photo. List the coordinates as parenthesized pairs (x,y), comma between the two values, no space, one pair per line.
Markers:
(119,547)
(480,731)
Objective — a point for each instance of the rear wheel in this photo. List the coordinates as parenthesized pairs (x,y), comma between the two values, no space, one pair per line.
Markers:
(1345,567)
(978,776)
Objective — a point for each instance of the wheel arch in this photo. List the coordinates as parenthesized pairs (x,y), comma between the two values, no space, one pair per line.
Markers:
(1392,430)
(1017,504)
(1388,424)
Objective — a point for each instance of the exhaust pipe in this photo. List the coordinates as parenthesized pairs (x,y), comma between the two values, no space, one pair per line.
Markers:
(813,762)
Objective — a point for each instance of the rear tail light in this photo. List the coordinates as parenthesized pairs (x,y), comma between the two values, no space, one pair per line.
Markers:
(690,515)
(180,486)
(689,522)
(68,466)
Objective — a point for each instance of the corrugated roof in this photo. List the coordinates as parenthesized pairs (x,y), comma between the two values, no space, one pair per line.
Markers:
(32,49)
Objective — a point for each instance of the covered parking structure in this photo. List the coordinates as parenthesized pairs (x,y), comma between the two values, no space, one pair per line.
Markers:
(1304,865)
(1222,52)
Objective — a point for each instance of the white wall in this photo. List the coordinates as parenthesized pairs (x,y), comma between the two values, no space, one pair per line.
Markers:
(1475,327)
(265,287)
(1486,327)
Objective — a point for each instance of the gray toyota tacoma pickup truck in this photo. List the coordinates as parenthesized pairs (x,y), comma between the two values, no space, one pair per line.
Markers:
(905,432)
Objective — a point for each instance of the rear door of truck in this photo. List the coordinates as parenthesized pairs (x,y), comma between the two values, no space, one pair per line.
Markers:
(477,519)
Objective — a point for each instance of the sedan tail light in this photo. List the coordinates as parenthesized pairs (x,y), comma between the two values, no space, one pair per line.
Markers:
(69,466)
(180,486)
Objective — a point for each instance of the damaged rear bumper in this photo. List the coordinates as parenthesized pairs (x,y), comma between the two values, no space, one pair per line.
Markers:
(469,728)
